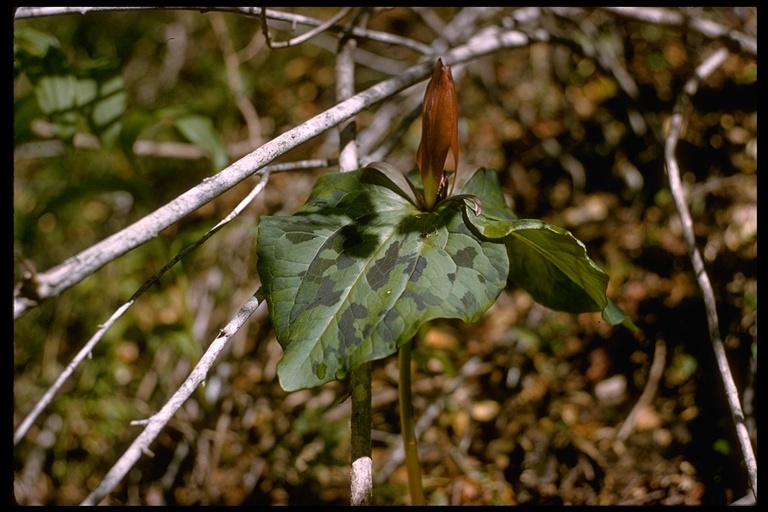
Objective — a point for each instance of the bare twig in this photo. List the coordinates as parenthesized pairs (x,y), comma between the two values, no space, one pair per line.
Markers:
(376,135)
(41,12)
(345,89)
(592,47)
(463,25)
(706,27)
(235,79)
(87,349)
(371,60)
(167,149)
(654,376)
(297,19)
(47,397)
(702,72)
(56,147)
(157,422)
(306,35)
(358,32)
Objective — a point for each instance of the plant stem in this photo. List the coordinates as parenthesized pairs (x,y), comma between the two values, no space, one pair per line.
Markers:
(407,427)
(361,477)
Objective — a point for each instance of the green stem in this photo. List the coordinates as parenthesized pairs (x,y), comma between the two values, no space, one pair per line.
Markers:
(361,478)
(407,427)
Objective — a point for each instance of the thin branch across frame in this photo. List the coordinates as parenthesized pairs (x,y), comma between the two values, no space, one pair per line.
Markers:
(373,35)
(675,126)
(45,400)
(706,27)
(155,424)
(306,35)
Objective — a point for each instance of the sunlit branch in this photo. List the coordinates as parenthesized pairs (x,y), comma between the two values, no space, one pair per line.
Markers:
(702,72)
(373,35)
(157,422)
(87,349)
(306,35)
(706,27)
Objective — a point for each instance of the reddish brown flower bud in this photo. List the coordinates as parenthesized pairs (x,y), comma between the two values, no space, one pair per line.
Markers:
(439,132)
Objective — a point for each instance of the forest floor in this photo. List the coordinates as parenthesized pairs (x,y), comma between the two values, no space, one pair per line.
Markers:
(526,406)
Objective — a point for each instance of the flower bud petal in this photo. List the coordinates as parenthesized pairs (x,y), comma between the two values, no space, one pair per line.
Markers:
(439,131)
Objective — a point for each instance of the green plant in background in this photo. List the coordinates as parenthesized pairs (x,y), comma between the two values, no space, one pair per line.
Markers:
(89,96)
(355,272)
(72,95)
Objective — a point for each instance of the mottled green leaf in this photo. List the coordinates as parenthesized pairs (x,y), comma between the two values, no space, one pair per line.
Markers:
(545,260)
(484,185)
(358,269)
(390,176)
(553,266)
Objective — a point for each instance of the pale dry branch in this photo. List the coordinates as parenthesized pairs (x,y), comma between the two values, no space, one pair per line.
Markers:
(345,89)
(363,57)
(41,12)
(235,79)
(306,35)
(52,148)
(47,397)
(593,47)
(156,423)
(359,32)
(463,26)
(704,26)
(294,19)
(376,142)
(691,86)
(649,391)
(87,349)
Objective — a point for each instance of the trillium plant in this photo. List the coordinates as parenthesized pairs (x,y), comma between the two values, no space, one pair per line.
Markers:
(372,256)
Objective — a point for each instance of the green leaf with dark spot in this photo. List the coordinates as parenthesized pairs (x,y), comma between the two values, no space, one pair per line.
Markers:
(484,185)
(359,268)
(553,266)
(389,176)
(545,260)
